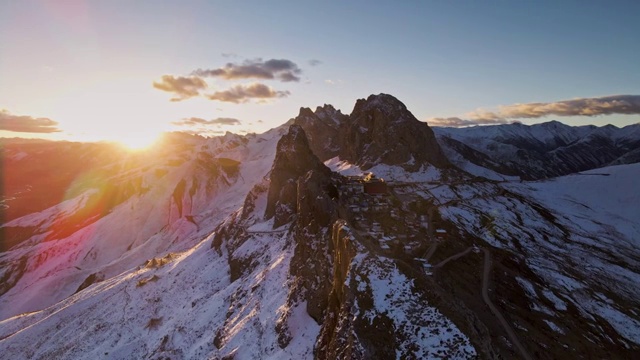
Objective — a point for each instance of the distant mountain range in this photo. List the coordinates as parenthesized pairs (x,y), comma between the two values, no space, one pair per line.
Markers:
(542,150)
(265,245)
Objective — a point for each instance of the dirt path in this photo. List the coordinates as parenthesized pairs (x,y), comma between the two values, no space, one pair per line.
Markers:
(494,309)
(453,257)
(430,251)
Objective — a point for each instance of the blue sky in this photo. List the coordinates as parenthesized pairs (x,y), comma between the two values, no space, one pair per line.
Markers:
(90,65)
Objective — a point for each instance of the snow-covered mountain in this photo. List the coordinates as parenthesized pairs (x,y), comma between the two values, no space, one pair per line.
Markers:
(261,247)
(541,150)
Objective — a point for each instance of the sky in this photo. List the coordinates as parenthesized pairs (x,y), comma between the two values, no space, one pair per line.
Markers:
(126,71)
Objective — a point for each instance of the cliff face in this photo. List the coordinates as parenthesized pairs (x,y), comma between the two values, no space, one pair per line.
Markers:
(294,159)
(382,130)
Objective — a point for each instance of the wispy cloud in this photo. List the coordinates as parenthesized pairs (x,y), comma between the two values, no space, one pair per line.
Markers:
(26,124)
(315,62)
(183,87)
(458,122)
(606,105)
(195,121)
(243,93)
(203,132)
(333,82)
(280,69)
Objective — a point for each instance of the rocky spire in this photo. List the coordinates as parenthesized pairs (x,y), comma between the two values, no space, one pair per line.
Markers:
(294,159)
(322,128)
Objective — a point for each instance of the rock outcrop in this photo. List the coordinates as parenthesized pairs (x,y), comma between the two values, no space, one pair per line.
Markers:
(294,159)
(379,130)
(382,130)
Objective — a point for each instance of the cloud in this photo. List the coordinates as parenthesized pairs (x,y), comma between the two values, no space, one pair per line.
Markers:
(229,55)
(193,121)
(280,69)
(27,124)
(184,87)
(243,93)
(458,122)
(333,82)
(606,105)
(203,132)
(315,62)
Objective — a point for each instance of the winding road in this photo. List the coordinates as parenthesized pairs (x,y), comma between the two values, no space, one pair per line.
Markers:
(453,257)
(494,309)
(485,295)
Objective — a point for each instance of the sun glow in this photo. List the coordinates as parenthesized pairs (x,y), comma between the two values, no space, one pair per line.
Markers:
(122,110)
(138,142)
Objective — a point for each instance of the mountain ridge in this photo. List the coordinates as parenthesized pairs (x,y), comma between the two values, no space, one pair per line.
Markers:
(251,246)
(541,150)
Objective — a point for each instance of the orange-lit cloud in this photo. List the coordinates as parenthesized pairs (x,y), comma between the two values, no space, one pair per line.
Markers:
(26,124)
(280,69)
(458,122)
(184,87)
(195,121)
(606,105)
(203,132)
(243,93)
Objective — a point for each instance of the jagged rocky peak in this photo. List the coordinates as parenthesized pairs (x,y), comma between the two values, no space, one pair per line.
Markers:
(328,112)
(305,112)
(382,130)
(322,128)
(293,160)
(327,115)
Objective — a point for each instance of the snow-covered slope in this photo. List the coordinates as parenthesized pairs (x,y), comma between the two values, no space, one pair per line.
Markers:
(175,202)
(578,235)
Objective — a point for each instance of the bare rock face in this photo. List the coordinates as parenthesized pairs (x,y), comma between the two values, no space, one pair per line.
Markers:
(311,264)
(294,159)
(382,130)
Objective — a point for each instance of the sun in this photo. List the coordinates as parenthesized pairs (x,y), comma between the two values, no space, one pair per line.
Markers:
(138,141)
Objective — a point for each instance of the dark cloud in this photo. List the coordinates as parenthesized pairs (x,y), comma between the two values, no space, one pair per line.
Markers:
(280,69)
(194,121)
(183,87)
(606,105)
(315,62)
(243,93)
(26,124)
